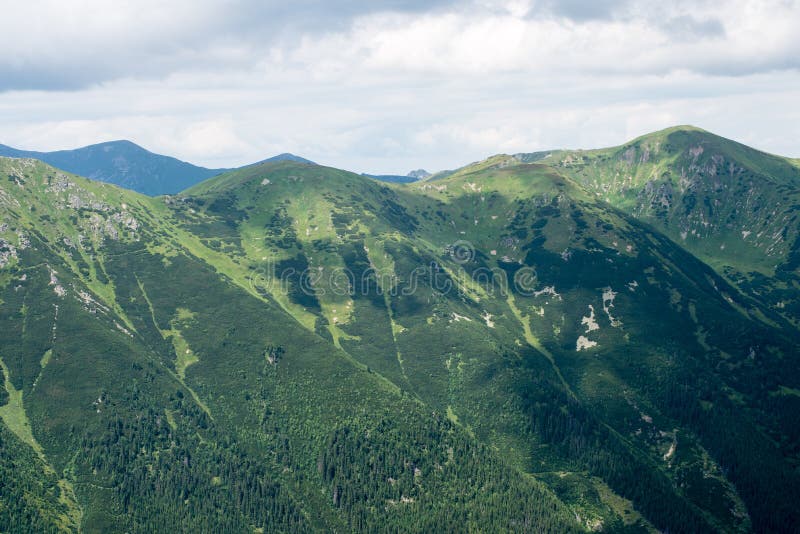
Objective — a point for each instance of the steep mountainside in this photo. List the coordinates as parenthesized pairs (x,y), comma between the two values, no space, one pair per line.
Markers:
(149,387)
(638,337)
(290,347)
(734,207)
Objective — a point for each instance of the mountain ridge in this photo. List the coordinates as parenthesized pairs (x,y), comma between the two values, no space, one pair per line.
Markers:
(438,212)
(729,204)
(124,163)
(286,156)
(110,282)
(295,347)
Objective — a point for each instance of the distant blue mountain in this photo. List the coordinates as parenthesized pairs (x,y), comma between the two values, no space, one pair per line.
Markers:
(128,165)
(392,178)
(413,176)
(125,164)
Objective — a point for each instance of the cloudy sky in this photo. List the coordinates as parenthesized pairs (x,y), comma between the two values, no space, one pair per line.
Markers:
(391,85)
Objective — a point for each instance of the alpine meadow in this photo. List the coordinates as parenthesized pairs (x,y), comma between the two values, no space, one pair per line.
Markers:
(542,341)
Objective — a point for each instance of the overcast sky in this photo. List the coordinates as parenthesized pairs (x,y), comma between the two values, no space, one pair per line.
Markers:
(391,85)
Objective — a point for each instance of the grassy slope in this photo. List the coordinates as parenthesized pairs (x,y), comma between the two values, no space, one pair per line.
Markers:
(439,345)
(201,272)
(607,237)
(667,178)
(112,307)
(730,205)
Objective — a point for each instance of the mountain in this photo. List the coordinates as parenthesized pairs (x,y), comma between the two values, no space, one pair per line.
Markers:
(122,163)
(620,327)
(292,347)
(411,177)
(419,174)
(130,166)
(286,157)
(392,178)
(734,207)
(151,385)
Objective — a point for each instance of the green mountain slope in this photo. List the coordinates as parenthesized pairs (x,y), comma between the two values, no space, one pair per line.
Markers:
(161,394)
(728,204)
(408,280)
(293,347)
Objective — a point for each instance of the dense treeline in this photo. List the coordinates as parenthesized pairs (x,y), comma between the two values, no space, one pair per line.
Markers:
(28,492)
(559,420)
(433,478)
(750,460)
(3,392)
(171,471)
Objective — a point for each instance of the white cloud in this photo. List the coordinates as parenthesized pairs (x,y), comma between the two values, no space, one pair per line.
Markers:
(749,37)
(228,82)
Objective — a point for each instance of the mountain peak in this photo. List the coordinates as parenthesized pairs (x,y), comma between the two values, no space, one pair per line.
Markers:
(681,128)
(118,145)
(419,174)
(286,156)
(685,129)
(122,162)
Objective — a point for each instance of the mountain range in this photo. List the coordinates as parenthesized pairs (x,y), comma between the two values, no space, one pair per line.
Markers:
(128,165)
(123,163)
(550,342)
